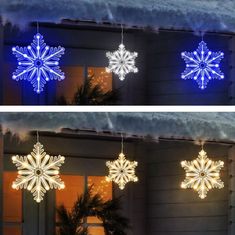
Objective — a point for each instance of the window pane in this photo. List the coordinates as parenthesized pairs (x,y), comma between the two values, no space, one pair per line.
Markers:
(96,230)
(74,186)
(101,77)
(12,199)
(74,78)
(12,230)
(102,187)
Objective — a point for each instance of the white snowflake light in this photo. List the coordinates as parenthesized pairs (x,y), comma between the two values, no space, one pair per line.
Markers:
(202,174)
(202,65)
(121,171)
(122,62)
(38,172)
(38,63)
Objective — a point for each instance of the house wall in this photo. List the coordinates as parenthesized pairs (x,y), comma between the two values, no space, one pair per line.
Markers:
(1,62)
(84,47)
(156,204)
(83,156)
(1,179)
(159,61)
(176,211)
(165,65)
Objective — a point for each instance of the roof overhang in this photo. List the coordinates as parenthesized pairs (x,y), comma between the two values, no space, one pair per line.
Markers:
(197,15)
(193,126)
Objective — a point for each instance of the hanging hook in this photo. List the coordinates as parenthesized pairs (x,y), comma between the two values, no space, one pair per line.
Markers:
(122,34)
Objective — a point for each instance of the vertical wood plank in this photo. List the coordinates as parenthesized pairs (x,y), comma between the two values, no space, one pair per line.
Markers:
(1,62)
(231,185)
(1,182)
(231,73)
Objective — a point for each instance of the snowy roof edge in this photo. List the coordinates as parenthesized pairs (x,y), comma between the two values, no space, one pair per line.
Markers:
(214,15)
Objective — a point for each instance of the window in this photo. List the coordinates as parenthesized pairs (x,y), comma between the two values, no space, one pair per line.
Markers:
(12,206)
(101,77)
(75,77)
(75,186)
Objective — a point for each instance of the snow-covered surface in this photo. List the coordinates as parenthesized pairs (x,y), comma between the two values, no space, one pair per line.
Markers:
(205,126)
(216,15)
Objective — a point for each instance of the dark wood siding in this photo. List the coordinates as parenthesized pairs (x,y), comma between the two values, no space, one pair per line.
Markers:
(174,211)
(165,65)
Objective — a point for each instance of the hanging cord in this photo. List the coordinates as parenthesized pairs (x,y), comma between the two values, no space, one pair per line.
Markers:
(122,145)
(122,36)
(202,145)
(37,136)
(37,27)
(202,35)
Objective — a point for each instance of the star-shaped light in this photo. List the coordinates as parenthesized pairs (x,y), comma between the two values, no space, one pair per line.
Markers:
(202,174)
(121,171)
(38,63)
(38,172)
(122,62)
(202,65)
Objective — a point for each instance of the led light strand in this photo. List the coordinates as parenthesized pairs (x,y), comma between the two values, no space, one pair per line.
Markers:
(202,174)
(38,63)
(202,65)
(121,171)
(38,172)
(121,61)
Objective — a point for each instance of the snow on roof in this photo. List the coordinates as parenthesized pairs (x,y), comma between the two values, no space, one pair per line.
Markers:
(197,15)
(203,126)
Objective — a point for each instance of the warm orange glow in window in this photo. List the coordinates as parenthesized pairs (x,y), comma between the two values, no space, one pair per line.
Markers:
(101,77)
(12,231)
(74,187)
(96,230)
(102,187)
(12,200)
(74,78)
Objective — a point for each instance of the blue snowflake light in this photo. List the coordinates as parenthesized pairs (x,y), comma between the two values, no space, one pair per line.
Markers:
(38,63)
(202,65)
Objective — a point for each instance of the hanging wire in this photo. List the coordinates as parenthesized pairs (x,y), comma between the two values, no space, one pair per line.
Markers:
(37,136)
(122,145)
(37,27)
(202,34)
(202,145)
(122,36)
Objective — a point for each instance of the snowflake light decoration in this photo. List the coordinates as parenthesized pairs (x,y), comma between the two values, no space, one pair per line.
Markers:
(121,62)
(202,65)
(38,172)
(202,174)
(38,63)
(121,171)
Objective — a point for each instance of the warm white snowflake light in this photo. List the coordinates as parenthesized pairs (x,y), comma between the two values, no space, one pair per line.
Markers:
(121,171)
(202,174)
(38,172)
(121,61)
